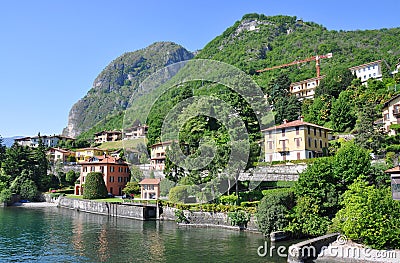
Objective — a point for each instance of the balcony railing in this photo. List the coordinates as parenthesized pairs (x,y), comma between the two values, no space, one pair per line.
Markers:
(283,149)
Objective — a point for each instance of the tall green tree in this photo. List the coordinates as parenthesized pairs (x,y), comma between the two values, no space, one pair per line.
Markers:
(2,150)
(336,80)
(343,114)
(288,107)
(41,177)
(367,134)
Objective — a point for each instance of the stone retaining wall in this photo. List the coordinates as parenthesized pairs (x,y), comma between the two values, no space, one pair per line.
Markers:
(206,219)
(309,249)
(102,208)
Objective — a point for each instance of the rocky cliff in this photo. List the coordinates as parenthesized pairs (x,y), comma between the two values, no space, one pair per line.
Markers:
(115,85)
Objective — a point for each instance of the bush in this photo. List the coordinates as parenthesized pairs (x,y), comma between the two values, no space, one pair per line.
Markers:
(369,216)
(5,195)
(95,188)
(28,190)
(132,188)
(178,194)
(228,199)
(307,219)
(239,218)
(272,212)
(180,217)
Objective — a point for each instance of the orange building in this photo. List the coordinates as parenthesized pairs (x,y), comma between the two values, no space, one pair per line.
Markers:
(116,173)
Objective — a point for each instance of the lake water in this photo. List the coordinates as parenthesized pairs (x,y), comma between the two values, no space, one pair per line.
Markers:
(54,234)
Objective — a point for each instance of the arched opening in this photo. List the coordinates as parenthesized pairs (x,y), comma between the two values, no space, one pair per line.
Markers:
(77,190)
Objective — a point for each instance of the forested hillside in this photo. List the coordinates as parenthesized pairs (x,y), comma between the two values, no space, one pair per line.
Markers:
(256,42)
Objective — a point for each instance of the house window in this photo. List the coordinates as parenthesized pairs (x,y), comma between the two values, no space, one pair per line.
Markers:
(112,169)
(120,169)
(283,132)
(298,156)
(119,179)
(270,134)
(270,145)
(92,168)
(315,131)
(297,142)
(309,141)
(102,169)
(297,130)
(308,130)
(325,134)
(320,144)
(270,158)
(85,169)
(111,179)
(315,143)
(319,132)
(125,179)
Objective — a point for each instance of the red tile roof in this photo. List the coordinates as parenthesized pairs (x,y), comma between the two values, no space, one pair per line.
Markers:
(150,181)
(104,159)
(295,124)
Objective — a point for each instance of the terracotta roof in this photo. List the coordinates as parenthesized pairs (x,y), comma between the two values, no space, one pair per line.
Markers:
(366,65)
(307,80)
(295,124)
(150,181)
(394,170)
(162,143)
(104,159)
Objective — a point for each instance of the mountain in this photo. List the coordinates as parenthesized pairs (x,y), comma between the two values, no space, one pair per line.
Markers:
(114,86)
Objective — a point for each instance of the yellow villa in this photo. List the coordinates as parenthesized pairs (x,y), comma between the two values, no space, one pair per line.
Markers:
(158,151)
(295,140)
(83,155)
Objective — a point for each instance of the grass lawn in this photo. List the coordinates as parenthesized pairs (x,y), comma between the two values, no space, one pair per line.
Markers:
(130,144)
(108,200)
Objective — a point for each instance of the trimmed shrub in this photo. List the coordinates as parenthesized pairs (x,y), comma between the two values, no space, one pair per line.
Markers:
(228,199)
(95,187)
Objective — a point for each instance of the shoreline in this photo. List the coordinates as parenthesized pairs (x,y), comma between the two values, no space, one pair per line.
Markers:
(33,204)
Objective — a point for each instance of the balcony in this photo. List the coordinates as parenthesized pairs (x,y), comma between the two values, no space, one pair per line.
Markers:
(283,149)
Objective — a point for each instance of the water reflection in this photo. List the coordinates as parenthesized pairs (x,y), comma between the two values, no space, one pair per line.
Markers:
(62,235)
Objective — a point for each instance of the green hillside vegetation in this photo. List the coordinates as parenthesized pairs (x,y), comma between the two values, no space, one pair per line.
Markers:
(283,39)
(127,144)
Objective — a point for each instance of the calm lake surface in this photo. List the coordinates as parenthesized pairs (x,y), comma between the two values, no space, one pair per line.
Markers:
(54,234)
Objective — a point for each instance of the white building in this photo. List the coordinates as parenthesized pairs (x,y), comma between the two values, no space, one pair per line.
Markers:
(305,89)
(391,114)
(48,141)
(367,71)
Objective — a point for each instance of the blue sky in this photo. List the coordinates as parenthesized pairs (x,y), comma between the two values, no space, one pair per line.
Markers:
(51,51)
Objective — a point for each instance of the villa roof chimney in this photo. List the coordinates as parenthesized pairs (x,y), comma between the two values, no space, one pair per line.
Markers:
(301,118)
(284,121)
